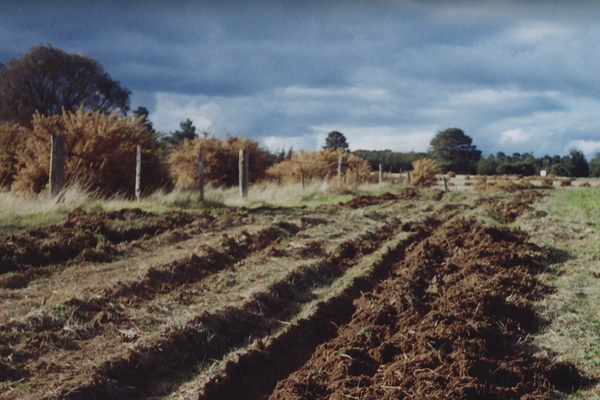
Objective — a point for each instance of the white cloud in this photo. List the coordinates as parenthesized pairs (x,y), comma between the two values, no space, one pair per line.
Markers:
(396,138)
(490,97)
(587,147)
(276,143)
(517,135)
(171,109)
(537,31)
(358,93)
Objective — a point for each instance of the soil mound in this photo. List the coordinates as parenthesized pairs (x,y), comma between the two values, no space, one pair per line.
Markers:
(368,200)
(509,211)
(95,237)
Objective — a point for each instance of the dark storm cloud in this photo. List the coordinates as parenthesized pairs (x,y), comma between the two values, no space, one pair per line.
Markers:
(513,75)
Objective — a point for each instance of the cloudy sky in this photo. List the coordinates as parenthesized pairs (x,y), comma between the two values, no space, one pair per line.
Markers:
(516,76)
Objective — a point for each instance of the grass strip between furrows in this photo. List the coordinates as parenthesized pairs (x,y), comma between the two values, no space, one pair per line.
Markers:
(21,212)
(182,351)
(253,373)
(89,237)
(77,320)
(65,319)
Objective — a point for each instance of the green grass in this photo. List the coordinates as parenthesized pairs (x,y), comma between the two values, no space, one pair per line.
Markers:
(587,200)
(573,244)
(22,212)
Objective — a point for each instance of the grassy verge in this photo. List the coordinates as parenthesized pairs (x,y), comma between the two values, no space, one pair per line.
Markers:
(571,231)
(587,201)
(20,212)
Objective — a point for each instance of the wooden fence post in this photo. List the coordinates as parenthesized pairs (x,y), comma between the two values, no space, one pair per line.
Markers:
(243,169)
(57,164)
(446,183)
(201,173)
(380,174)
(357,175)
(341,168)
(408,177)
(302,176)
(138,172)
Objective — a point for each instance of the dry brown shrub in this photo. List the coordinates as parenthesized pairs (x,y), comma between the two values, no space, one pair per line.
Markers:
(585,184)
(319,166)
(565,182)
(467,177)
(450,174)
(525,184)
(503,186)
(101,153)
(547,182)
(221,161)
(480,185)
(424,172)
(12,140)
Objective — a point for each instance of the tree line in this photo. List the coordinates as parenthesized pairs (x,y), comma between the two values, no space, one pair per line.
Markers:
(453,150)
(48,88)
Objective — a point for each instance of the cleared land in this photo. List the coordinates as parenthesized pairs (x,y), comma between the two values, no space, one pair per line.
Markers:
(410,294)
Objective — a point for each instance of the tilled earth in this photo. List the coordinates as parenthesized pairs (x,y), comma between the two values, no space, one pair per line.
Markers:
(395,296)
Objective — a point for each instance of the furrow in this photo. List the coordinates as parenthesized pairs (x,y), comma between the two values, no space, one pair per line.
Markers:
(174,357)
(254,373)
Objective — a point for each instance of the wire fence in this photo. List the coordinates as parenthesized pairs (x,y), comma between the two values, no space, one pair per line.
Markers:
(305,169)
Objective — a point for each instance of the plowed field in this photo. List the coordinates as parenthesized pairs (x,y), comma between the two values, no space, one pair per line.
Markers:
(397,296)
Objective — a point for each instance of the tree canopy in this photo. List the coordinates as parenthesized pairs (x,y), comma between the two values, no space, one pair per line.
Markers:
(389,160)
(48,79)
(594,165)
(578,165)
(454,151)
(336,141)
(572,165)
(187,131)
(143,113)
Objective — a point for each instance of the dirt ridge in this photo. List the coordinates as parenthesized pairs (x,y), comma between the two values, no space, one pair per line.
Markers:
(212,335)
